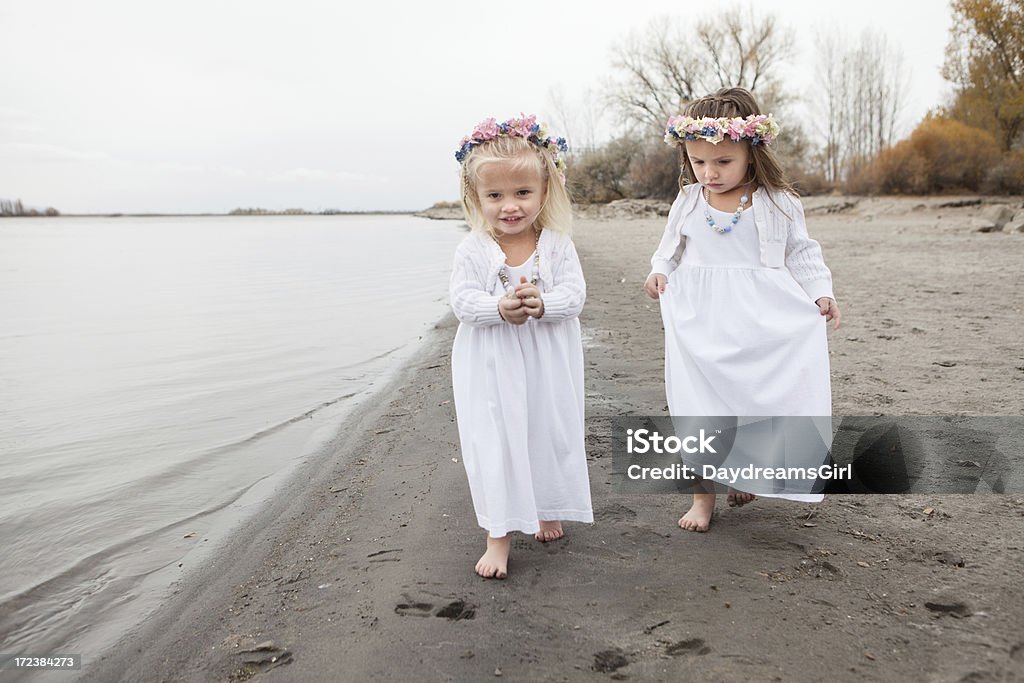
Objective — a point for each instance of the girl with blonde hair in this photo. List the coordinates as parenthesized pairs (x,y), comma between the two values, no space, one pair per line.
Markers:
(517,289)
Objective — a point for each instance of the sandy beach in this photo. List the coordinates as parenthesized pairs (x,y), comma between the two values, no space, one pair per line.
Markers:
(362,567)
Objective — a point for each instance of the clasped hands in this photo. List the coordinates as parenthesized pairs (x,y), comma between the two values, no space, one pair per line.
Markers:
(525,302)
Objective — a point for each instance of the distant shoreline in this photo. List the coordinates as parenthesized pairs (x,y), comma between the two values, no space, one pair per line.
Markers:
(229,215)
(617,209)
(431,213)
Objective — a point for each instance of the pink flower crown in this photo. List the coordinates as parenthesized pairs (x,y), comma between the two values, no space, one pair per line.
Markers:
(758,128)
(524,127)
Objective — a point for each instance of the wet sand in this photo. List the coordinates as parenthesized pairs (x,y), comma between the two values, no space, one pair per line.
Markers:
(362,567)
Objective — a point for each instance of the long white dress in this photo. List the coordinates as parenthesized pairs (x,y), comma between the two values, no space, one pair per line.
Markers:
(519,399)
(742,339)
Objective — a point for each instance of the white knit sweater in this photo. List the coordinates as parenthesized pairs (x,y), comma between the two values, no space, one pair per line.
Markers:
(478,259)
(781,230)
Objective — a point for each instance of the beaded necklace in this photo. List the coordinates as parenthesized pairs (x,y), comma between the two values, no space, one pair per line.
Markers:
(503,273)
(735,217)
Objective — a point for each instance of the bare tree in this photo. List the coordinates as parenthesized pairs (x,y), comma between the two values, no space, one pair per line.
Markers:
(745,48)
(656,73)
(671,63)
(577,123)
(862,90)
(830,76)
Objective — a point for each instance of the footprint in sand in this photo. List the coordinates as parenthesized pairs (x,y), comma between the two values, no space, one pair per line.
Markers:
(948,605)
(413,609)
(263,657)
(693,646)
(607,661)
(455,610)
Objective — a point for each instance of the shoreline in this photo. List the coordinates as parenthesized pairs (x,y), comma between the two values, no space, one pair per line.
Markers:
(114,556)
(368,552)
(308,490)
(226,526)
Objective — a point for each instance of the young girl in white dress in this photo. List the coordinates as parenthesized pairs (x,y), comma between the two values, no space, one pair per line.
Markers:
(743,288)
(517,289)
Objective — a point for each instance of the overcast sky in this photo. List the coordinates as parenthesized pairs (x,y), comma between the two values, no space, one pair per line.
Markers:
(190,106)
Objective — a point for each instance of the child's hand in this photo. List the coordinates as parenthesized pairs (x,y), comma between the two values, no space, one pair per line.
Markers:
(655,285)
(511,309)
(528,293)
(829,309)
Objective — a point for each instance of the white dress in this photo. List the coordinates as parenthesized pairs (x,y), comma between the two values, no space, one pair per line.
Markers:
(742,339)
(519,399)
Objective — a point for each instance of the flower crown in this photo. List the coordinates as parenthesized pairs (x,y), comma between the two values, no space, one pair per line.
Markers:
(525,127)
(758,128)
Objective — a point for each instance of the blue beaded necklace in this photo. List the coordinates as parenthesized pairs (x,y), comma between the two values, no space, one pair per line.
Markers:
(735,217)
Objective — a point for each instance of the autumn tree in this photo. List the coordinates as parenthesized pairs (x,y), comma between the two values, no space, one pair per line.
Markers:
(985,60)
(940,155)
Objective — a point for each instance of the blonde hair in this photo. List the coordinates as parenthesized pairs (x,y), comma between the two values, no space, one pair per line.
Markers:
(730,102)
(556,210)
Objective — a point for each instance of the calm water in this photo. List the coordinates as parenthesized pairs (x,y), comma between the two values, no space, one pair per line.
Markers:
(155,370)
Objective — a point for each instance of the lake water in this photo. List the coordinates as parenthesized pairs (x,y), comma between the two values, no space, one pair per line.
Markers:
(154,371)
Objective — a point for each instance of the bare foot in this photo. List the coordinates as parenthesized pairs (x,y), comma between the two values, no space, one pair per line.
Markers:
(493,564)
(698,517)
(549,531)
(737,499)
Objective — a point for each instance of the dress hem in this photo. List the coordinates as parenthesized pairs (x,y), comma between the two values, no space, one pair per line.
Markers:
(533,526)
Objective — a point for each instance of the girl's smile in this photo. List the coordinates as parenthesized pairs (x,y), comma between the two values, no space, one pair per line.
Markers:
(511,196)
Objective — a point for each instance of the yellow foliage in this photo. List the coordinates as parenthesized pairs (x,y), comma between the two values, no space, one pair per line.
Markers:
(985,59)
(940,155)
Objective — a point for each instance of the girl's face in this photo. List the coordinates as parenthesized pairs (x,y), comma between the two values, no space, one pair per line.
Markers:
(511,196)
(721,168)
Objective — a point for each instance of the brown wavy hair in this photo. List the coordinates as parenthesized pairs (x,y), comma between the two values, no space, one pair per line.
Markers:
(732,102)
